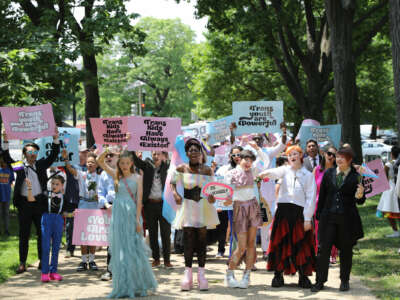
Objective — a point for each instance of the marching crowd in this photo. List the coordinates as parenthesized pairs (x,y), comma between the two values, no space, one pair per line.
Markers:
(302,203)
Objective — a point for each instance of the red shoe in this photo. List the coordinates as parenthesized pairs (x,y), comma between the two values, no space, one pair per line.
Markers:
(55,276)
(45,278)
(333,260)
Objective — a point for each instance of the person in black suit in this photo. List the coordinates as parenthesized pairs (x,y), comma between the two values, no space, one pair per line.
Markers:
(312,159)
(339,220)
(154,177)
(28,212)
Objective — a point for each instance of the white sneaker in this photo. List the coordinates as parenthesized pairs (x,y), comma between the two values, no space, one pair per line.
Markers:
(398,251)
(244,283)
(394,234)
(230,280)
(219,255)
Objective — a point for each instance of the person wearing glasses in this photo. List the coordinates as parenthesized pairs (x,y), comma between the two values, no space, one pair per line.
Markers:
(328,161)
(292,245)
(313,158)
(339,220)
(197,214)
(31,211)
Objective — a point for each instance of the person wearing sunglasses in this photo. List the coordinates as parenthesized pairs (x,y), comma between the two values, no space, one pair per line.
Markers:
(31,211)
(328,161)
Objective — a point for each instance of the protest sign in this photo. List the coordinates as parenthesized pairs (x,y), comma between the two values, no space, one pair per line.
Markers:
(196,130)
(307,122)
(149,134)
(91,227)
(109,131)
(69,140)
(329,134)
(218,130)
(219,190)
(374,186)
(257,116)
(28,122)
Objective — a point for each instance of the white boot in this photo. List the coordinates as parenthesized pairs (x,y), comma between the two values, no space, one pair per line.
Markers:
(230,280)
(244,283)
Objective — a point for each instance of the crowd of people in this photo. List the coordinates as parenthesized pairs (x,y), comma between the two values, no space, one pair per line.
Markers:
(311,196)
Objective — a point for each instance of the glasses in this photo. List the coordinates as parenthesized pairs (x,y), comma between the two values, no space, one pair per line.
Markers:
(31,152)
(110,155)
(194,150)
(331,154)
(235,155)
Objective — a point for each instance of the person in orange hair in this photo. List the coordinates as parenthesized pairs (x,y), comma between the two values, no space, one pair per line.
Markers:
(291,248)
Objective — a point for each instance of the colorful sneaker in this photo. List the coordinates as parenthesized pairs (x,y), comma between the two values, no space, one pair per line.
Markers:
(45,278)
(56,276)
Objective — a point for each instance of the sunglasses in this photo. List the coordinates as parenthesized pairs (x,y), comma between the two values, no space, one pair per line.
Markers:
(194,150)
(235,155)
(31,152)
(331,154)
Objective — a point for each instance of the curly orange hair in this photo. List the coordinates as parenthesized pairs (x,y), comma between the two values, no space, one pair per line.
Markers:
(294,148)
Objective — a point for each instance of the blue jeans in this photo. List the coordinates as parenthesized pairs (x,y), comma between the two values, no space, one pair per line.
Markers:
(52,230)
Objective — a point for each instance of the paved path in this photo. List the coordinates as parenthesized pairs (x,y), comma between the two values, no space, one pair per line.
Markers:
(89,286)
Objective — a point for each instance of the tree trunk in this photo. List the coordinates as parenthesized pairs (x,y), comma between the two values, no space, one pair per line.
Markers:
(92,103)
(74,113)
(394,14)
(374,132)
(340,19)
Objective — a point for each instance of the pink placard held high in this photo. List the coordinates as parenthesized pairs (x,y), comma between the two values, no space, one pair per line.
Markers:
(29,122)
(149,134)
(109,131)
(91,227)
(374,186)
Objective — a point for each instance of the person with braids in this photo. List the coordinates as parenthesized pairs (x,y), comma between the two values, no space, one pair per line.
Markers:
(292,245)
(129,265)
(196,214)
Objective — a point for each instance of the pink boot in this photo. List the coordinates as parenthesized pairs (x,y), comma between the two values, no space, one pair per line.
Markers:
(187,281)
(45,278)
(55,276)
(201,279)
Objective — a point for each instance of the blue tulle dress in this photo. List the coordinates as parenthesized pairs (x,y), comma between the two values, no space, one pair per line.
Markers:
(132,274)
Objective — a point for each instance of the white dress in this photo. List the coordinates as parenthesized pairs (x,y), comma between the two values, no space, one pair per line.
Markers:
(388,202)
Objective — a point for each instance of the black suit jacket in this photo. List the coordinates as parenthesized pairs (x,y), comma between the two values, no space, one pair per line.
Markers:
(148,175)
(41,166)
(307,162)
(327,196)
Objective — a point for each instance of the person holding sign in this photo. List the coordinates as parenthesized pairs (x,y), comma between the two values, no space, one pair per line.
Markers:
(88,199)
(196,214)
(339,221)
(246,214)
(291,248)
(132,273)
(31,211)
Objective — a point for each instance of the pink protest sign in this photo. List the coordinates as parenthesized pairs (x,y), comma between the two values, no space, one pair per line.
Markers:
(374,186)
(109,131)
(29,122)
(157,134)
(91,227)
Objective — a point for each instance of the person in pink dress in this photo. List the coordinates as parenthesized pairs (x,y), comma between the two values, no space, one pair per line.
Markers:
(328,161)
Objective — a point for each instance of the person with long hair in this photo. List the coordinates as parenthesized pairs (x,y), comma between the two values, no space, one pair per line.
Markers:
(196,214)
(328,161)
(339,220)
(129,265)
(292,245)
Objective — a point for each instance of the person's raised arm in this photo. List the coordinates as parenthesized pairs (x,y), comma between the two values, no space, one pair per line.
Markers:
(100,161)
(55,150)
(70,169)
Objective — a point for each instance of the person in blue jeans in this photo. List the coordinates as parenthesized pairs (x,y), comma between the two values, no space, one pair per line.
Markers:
(6,180)
(52,227)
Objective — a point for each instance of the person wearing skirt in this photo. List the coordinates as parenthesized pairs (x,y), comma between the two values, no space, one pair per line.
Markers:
(292,245)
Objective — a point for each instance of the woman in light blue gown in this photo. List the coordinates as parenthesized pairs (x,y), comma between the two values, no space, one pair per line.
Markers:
(132,274)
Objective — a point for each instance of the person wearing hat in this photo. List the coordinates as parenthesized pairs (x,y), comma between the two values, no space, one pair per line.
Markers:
(339,221)
(196,214)
(28,212)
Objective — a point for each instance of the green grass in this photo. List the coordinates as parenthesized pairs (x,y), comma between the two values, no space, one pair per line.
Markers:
(376,259)
(9,253)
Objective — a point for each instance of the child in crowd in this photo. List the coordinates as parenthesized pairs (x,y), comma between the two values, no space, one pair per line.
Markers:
(6,180)
(52,227)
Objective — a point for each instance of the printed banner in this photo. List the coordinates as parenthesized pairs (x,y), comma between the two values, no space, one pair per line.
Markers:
(148,134)
(28,122)
(218,130)
(91,227)
(196,130)
(307,122)
(327,134)
(220,191)
(69,140)
(257,116)
(374,186)
(109,131)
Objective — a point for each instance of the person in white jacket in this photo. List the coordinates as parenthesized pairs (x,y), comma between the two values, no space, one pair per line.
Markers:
(291,248)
